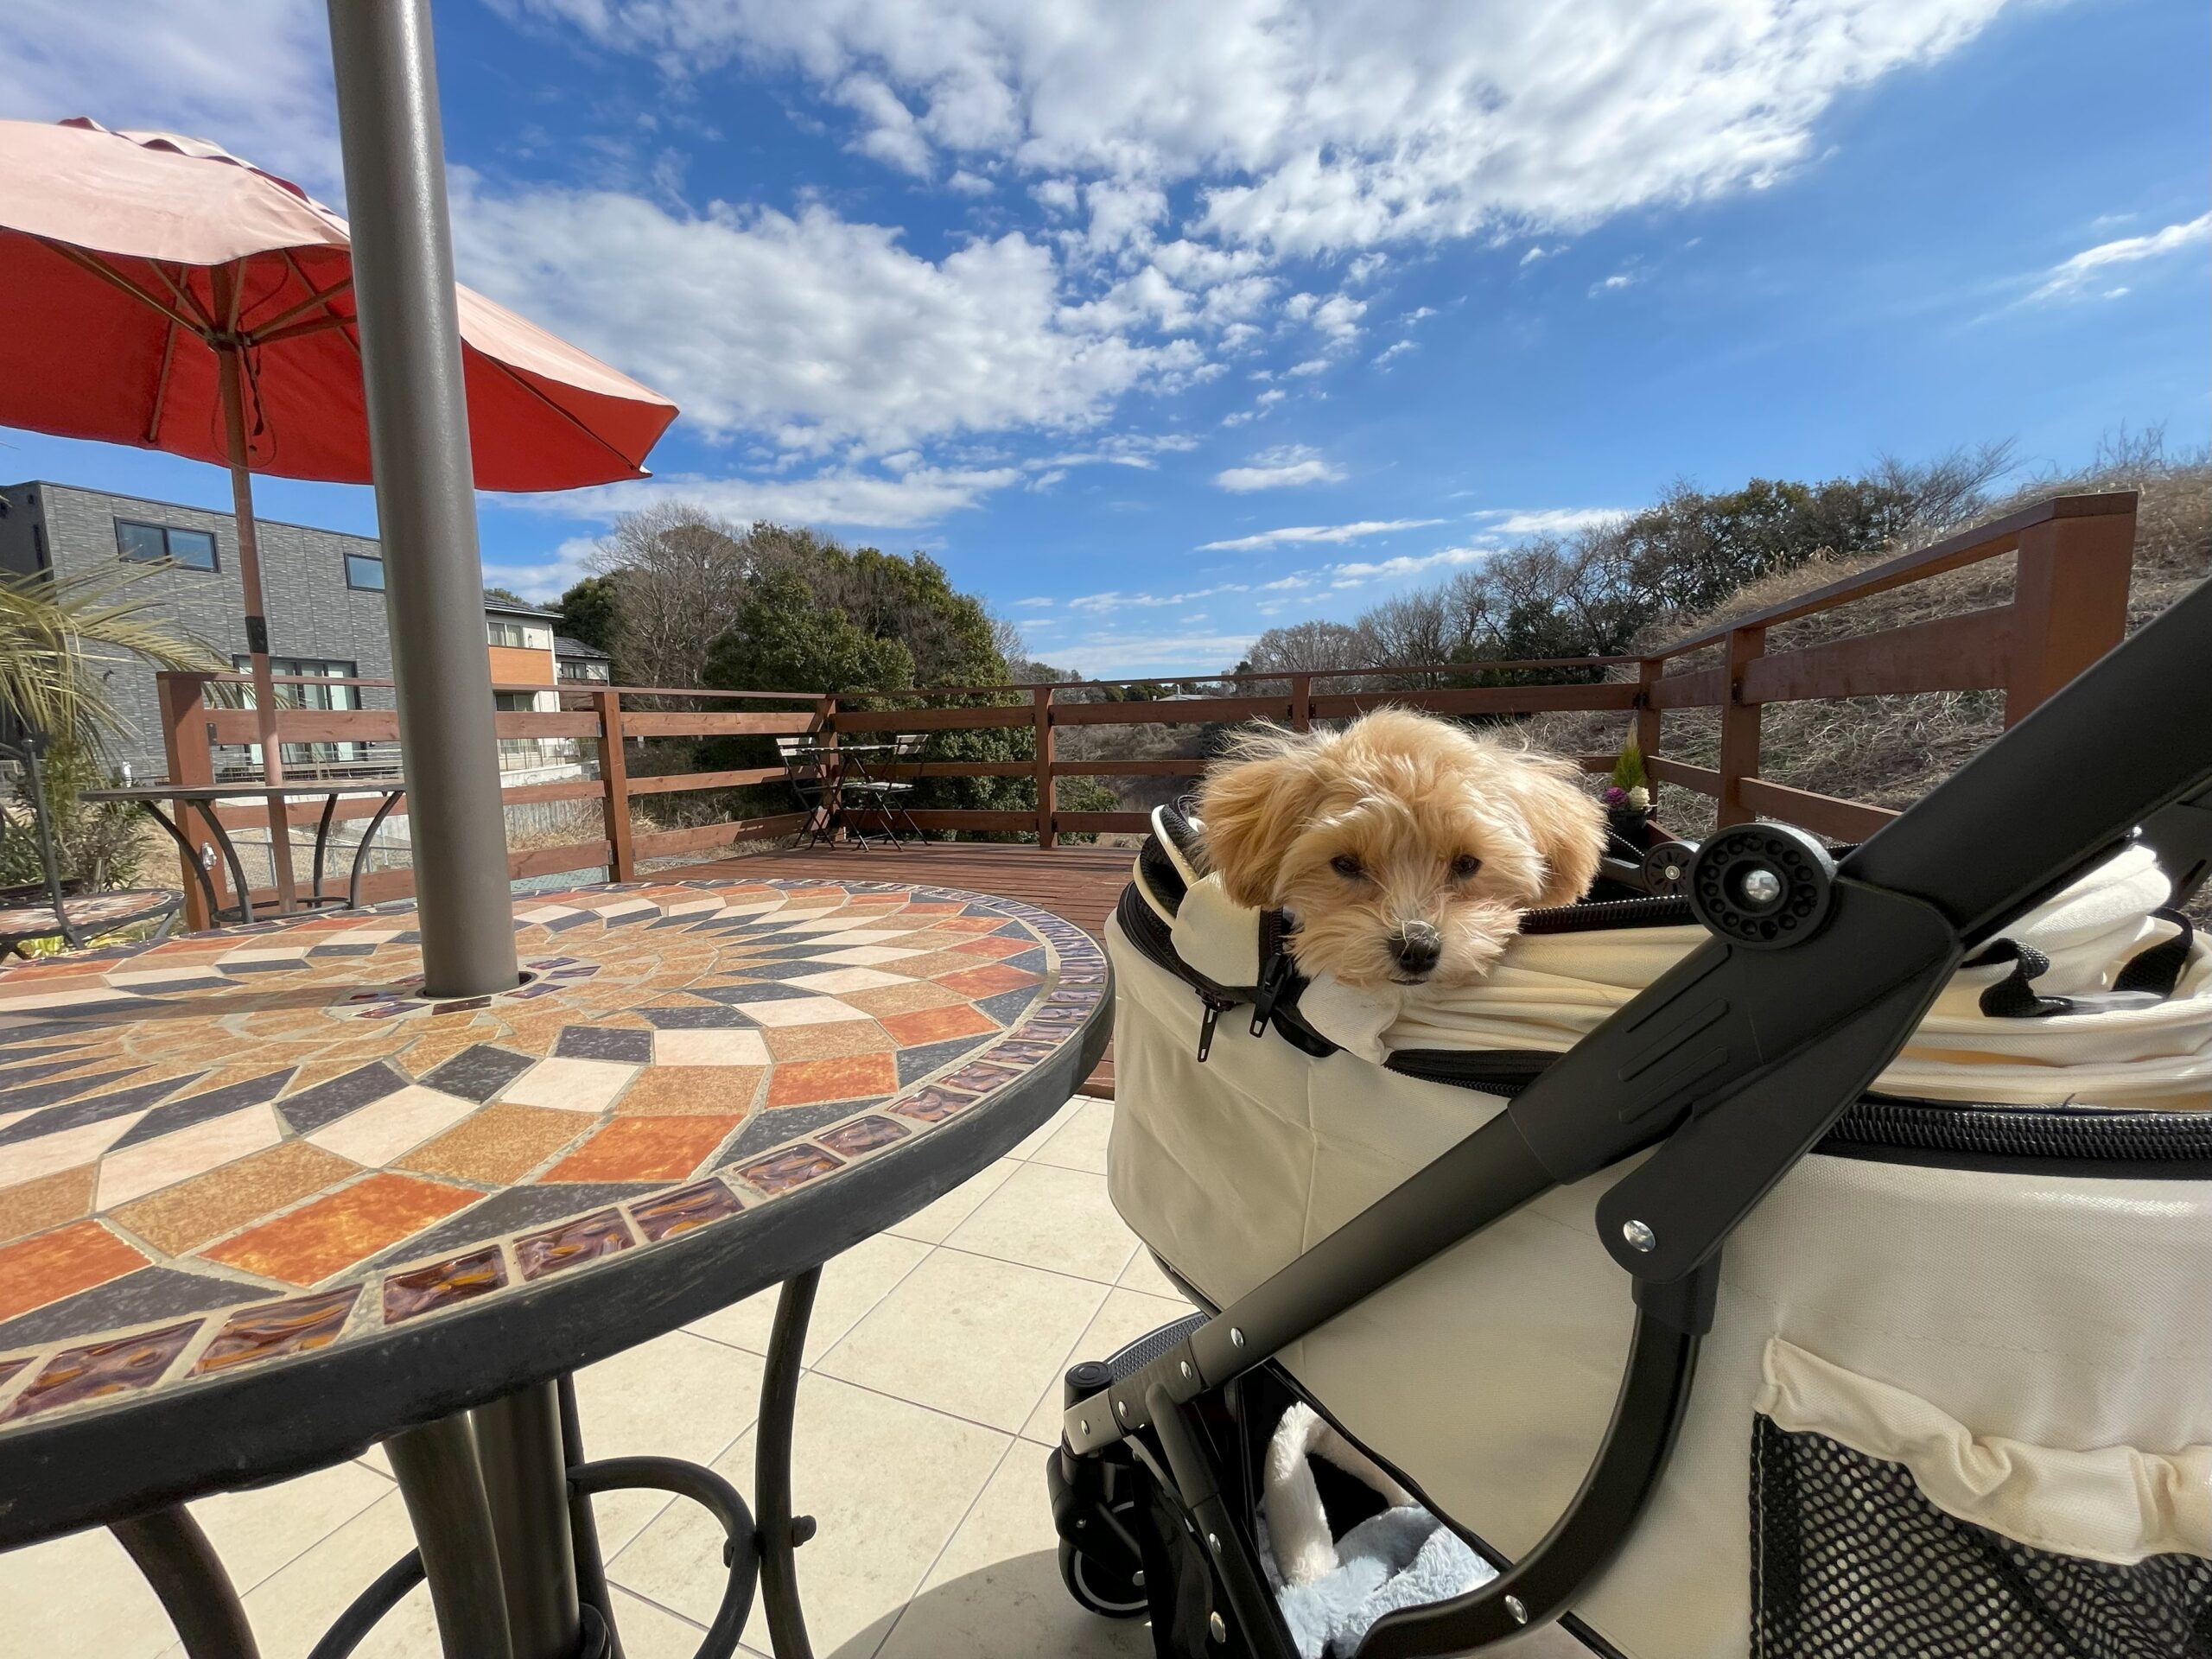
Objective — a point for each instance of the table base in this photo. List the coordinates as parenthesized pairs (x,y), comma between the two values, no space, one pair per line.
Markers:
(500,1501)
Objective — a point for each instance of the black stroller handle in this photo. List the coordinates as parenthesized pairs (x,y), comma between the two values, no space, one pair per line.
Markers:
(1738,1059)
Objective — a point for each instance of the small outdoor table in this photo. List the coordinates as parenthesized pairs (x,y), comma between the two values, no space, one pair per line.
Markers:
(205,798)
(277,1206)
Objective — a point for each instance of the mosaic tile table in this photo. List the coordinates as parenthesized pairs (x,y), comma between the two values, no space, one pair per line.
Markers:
(269,1204)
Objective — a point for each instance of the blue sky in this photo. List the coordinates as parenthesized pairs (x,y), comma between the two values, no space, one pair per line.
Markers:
(1161,321)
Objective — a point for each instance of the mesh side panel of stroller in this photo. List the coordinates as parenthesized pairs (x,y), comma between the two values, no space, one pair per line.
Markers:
(1849,1558)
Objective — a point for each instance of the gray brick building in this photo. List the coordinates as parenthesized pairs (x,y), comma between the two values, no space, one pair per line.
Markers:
(323,588)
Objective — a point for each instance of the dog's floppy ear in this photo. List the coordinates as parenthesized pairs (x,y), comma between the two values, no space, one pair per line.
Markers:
(1254,804)
(1567,826)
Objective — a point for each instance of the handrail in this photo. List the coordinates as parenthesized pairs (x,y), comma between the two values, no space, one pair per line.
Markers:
(2069,607)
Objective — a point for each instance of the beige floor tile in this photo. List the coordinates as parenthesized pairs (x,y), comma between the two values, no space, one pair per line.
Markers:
(291,1610)
(940,1215)
(678,1396)
(1044,1131)
(260,1532)
(1080,1142)
(1044,1217)
(967,1334)
(78,1598)
(652,1632)
(888,1482)
(1122,1319)
(1143,1274)
(995,1592)
(851,1285)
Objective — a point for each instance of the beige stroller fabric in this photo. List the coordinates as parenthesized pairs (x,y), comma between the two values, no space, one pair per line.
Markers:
(2037,1349)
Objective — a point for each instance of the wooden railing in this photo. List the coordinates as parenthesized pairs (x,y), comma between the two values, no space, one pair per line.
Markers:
(593,717)
(2069,607)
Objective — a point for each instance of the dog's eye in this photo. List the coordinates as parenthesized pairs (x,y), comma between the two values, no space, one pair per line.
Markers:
(1465,867)
(1346,866)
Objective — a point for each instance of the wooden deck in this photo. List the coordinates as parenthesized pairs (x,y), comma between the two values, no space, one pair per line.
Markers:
(1080,883)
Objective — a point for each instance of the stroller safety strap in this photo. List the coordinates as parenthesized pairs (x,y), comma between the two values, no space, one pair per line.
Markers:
(1732,1064)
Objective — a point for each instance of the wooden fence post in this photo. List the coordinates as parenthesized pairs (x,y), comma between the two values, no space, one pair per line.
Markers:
(1301,702)
(1040,702)
(833,769)
(614,779)
(2069,603)
(1647,721)
(1739,728)
(183,699)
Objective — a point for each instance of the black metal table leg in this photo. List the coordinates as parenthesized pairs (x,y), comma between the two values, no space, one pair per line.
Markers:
(583,1525)
(781,1532)
(244,905)
(181,1564)
(361,851)
(191,857)
(519,1447)
(321,845)
(438,1475)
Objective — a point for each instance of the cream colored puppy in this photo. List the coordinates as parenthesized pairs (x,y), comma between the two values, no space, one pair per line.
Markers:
(1404,849)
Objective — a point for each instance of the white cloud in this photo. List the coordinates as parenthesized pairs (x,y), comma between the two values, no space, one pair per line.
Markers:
(892,136)
(2066,279)
(1307,127)
(1398,350)
(845,497)
(1419,314)
(1311,366)
(1181,652)
(1290,533)
(1546,521)
(1534,254)
(969,184)
(1055,195)
(1355,576)
(1120,601)
(1614,283)
(1031,604)
(810,331)
(1366,268)
(250,75)
(548,578)
(1277,468)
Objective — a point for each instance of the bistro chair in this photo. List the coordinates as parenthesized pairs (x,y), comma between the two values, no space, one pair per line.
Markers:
(890,796)
(807,775)
(70,911)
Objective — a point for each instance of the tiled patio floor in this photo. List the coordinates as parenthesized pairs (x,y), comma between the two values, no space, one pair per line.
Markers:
(929,1400)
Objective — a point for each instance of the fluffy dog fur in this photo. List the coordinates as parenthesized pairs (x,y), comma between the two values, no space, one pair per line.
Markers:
(1398,824)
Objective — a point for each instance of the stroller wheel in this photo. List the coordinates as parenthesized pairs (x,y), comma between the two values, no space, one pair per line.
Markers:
(1101,1589)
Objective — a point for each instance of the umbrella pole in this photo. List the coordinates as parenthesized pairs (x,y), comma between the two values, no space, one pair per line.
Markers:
(232,366)
(409,320)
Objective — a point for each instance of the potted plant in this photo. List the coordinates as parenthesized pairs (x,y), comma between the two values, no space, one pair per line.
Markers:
(1628,795)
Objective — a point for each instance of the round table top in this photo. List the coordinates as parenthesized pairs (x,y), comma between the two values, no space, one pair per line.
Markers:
(257,1166)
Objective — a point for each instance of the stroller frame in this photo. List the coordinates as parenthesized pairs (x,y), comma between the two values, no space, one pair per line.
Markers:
(1733,1065)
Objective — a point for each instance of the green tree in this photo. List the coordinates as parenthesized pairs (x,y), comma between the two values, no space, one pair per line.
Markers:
(504,596)
(589,612)
(785,640)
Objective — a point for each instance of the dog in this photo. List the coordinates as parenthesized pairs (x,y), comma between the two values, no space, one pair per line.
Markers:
(1404,849)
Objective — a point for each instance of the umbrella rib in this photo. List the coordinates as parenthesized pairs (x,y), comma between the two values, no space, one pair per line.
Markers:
(162,384)
(264,331)
(115,278)
(185,297)
(312,326)
(562,412)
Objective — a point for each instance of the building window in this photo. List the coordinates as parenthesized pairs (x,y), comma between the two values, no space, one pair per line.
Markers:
(151,543)
(584,668)
(335,698)
(521,636)
(366,572)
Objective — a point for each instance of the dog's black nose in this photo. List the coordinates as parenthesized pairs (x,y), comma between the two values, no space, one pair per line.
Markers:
(1417,947)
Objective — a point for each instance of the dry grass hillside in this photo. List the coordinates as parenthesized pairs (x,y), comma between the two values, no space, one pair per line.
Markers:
(1890,751)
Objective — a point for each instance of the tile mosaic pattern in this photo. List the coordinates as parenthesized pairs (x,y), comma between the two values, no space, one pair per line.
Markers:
(237,1148)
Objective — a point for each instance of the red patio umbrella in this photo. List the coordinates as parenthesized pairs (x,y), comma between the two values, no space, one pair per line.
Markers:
(164,293)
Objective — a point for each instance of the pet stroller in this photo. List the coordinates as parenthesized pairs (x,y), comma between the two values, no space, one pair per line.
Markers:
(1906,1150)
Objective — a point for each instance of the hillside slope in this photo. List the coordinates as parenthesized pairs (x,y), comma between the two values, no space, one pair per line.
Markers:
(1890,751)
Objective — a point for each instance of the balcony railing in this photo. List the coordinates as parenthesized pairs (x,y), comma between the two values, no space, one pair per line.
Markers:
(2069,605)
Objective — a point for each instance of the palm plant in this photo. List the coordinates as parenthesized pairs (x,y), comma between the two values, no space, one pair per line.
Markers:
(57,635)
